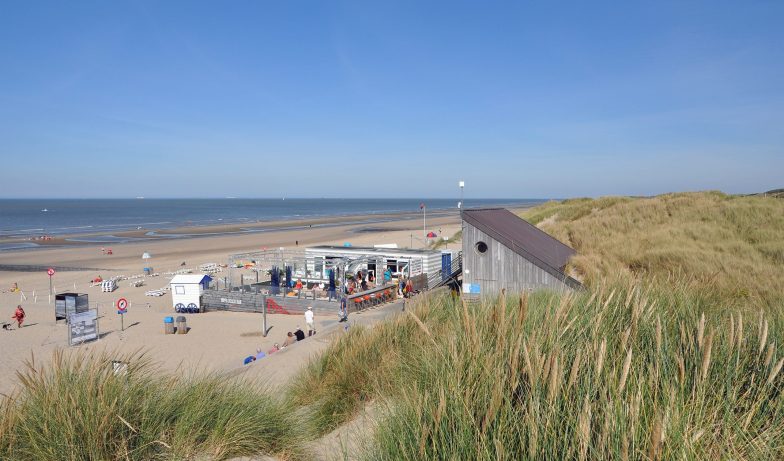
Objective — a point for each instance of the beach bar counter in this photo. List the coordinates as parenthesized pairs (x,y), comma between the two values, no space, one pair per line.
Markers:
(375,260)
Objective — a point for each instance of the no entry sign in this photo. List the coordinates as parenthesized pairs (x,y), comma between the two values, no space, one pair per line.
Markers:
(50,271)
(122,305)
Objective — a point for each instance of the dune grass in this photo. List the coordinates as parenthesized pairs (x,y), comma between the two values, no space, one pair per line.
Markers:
(76,408)
(672,351)
(729,246)
(623,372)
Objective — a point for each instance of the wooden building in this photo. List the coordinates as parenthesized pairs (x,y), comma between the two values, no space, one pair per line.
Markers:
(503,251)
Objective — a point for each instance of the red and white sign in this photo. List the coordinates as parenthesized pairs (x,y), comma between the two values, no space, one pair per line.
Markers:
(122,304)
(50,271)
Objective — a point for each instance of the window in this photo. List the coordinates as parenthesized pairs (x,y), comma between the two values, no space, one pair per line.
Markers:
(179,289)
(481,247)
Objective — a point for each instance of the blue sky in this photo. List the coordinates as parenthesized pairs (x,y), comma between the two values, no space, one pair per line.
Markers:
(390,99)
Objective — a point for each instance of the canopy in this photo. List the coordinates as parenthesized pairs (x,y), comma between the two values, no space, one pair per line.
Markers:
(146,255)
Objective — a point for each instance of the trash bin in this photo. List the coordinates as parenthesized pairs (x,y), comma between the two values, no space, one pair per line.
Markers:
(147,270)
(182,326)
(168,325)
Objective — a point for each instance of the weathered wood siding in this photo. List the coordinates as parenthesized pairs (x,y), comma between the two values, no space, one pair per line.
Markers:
(500,267)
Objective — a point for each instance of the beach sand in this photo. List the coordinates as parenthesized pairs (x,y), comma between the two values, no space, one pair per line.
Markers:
(217,341)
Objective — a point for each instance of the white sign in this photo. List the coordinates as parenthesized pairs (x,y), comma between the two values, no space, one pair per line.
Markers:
(83,327)
(231,301)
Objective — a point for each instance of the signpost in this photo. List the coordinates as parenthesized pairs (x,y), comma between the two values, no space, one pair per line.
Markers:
(122,308)
(50,272)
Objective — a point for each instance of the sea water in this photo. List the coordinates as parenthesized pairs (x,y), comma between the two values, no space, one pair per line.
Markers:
(37,217)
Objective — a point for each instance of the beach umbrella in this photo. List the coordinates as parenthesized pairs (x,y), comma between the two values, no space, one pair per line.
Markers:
(288,276)
(431,235)
(346,244)
(146,255)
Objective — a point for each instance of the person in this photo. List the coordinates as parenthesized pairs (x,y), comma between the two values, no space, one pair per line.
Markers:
(409,288)
(343,309)
(364,285)
(290,339)
(249,359)
(310,322)
(260,354)
(19,316)
(299,334)
(387,275)
(275,348)
(402,286)
(298,285)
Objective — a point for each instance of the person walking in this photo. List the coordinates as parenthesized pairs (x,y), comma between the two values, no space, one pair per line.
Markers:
(19,316)
(309,321)
(343,309)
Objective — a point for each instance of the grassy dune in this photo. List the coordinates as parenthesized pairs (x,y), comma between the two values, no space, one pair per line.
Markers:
(623,372)
(671,352)
(730,247)
(77,409)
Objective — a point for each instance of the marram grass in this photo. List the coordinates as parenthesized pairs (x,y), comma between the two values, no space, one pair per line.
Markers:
(729,247)
(618,373)
(76,408)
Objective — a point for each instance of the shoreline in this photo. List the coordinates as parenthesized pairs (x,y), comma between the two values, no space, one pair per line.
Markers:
(16,243)
(151,235)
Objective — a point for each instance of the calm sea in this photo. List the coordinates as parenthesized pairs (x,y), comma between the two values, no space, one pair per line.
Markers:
(27,218)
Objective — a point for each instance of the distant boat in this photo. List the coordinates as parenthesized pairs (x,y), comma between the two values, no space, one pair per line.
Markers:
(44,210)
(139,198)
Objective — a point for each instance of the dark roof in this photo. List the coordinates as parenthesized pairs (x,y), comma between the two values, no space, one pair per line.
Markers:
(520,236)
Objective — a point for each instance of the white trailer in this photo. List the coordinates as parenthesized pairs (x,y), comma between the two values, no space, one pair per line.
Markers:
(186,291)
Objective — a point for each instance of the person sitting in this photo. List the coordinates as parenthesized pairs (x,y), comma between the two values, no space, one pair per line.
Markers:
(290,339)
(19,316)
(275,348)
(299,334)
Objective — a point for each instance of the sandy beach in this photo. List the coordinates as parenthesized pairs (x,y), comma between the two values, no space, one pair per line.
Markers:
(217,341)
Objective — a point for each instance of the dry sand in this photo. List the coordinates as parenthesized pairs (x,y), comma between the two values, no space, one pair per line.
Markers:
(217,341)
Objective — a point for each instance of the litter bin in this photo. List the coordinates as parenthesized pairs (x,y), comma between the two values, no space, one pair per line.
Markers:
(182,326)
(168,325)
(147,270)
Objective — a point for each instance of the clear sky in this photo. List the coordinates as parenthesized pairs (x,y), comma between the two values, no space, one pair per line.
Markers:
(389,99)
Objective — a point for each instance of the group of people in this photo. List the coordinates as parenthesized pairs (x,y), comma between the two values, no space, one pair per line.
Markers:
(291,338)
(405,287)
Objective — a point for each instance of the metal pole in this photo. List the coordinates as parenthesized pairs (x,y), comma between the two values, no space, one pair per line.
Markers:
(424,224)
(264,310)
(50,286)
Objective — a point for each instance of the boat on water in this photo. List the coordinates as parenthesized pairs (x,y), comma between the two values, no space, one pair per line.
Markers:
(44,210)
